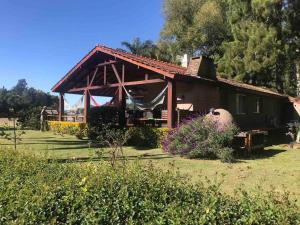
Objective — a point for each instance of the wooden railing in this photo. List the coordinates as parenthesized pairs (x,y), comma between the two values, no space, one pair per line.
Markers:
(66,118)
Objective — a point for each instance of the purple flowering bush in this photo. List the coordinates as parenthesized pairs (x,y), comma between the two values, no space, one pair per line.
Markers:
(202,138)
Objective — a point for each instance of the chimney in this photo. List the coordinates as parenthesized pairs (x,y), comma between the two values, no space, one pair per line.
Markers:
(185,61)
(202,67)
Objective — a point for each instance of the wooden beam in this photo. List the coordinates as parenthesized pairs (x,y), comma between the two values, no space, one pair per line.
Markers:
(87,103)
(87,80)
(94,75)
(171,103)
(123,73)
(141,82)
(61,107)
(122,106)
(105,75)
(129,83)
(139,64)
(116,73)
(107,63)
(78,66)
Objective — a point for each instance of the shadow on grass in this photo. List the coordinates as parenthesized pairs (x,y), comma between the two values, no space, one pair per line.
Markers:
(107,158)
(262,154)
(37,138)
(141,148)
(69,148)
(66,142)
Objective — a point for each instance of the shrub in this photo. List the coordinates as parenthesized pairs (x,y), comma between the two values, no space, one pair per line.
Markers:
(30,118)
(101,119)
(147,136)
(201,138)
(65,127)
(34,191)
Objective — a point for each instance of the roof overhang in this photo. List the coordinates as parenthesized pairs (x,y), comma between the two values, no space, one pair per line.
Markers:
(162,68)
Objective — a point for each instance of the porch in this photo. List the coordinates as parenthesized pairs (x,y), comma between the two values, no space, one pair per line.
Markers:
(150,85)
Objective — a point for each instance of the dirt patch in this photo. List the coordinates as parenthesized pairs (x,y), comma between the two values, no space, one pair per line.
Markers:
(6,121)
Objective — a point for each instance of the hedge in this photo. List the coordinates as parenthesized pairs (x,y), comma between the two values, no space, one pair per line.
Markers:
(147,136)
(65,127)
(34,191)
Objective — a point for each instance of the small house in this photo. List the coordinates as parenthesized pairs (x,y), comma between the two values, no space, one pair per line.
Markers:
(165,93)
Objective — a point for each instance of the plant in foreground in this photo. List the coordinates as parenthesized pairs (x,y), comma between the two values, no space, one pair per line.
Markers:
(201,137)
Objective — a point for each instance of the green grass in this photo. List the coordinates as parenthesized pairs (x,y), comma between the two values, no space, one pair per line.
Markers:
(277,167)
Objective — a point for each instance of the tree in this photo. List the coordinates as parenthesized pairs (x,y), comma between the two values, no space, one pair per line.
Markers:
(197,26)
(259,52)
(138,47)
(254,41)
(25,104)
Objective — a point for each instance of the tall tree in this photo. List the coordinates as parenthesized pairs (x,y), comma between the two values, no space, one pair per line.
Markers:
(255,41)
(143,48)
(260,51)
(196,26)
(25,103)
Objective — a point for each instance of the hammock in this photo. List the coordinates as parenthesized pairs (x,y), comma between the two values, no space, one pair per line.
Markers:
(158,100)
(74,107)
(96,104)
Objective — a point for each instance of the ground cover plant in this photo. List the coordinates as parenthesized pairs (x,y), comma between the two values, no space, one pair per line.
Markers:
(35,191)
(201,137)
(277,167)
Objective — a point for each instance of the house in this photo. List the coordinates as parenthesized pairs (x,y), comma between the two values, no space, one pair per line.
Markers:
(176,91)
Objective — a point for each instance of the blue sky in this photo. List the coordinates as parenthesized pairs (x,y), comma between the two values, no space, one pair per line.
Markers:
(40,40)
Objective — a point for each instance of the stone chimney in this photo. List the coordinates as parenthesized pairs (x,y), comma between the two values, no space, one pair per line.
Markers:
(202,67)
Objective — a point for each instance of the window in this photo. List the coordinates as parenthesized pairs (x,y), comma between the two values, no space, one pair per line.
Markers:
(240,104)
(258,105)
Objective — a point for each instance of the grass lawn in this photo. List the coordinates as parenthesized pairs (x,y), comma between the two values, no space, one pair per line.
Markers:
(277,167)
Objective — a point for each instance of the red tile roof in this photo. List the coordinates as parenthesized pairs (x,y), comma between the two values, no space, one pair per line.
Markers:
(164,68)
(167,67)
(249,87)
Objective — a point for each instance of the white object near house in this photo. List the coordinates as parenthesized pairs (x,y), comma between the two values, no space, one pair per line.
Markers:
(184,60)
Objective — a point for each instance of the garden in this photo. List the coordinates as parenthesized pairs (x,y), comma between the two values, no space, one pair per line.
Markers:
(101,173)
(145,187)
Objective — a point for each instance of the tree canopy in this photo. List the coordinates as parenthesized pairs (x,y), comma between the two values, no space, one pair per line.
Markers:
(254,41)
(25,103)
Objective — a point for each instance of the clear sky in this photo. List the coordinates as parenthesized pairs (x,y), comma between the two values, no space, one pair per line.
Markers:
(41,40)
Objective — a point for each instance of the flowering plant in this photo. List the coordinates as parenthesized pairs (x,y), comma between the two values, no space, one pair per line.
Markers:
(201,137)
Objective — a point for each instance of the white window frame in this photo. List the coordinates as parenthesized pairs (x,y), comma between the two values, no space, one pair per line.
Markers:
(238,111)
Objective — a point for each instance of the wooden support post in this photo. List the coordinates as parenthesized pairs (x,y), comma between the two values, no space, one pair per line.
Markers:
(104,79)
(122,106)
(123,73)
(87,99)
(61,107)
(171,103)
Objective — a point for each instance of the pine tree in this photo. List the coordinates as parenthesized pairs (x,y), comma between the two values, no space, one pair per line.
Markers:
(259,52)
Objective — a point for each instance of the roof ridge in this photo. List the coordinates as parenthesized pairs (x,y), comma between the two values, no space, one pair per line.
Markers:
(116,51)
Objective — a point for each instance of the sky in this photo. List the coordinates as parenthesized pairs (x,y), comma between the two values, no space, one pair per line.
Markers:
(41,40)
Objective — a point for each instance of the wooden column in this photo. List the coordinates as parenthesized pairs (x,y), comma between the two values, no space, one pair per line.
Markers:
(171,103)
(87,103)
(122,106)
(61,107)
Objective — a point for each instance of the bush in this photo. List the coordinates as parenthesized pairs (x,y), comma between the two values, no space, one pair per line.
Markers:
(30,118)
(34,191)
(201,138)
(64,127)
(101,119)
(147,136)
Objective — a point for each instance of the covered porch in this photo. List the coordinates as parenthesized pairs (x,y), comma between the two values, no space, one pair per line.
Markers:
(146,85)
